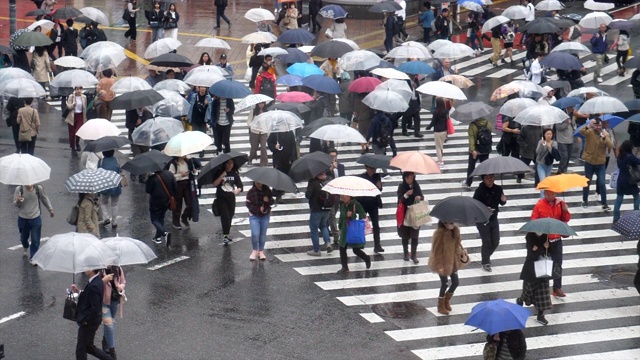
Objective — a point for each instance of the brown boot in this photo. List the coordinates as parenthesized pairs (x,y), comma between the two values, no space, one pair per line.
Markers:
(447,298)
(441,308)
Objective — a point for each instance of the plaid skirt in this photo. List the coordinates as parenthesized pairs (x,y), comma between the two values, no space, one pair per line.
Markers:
(537,293)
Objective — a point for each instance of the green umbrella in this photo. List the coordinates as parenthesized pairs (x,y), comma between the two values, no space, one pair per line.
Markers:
(32,38)
(548,226)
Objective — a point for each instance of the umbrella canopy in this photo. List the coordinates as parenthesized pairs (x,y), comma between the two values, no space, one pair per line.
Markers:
(376,161)
(437,44)
(386,100)
(587,90)
(289,80)
(273,51)
(498,315)
(176,85)
(295,55)
(208,171)
(156,131)
(398,86)
(524,88)
(296,108)
(385,6)
(173,105)
(276,121)
(129,84)
(390,73)
(407,52)
(22,88)
(7,74)
(563,182)
(621,24)
(632,104)
(495,21)
(453,51)
(612,120)
(352,186)
(562,61)
(473,5)
(187,143)
(45,25)
(513,107)
(294,96)
(92,181)
(634,118)
(229,89)
(160,47)
(257,15)
(70,62)
(442,89)
(358,60)
(500,165)
(321,122)
(148,162)
(38,12)
(95,129)
(74,253)
(172,60)
(310,165)
(205,75)
(602,105)
(105,143)
(541,26)
(32,38)
(136,99)
(566,102)
(516,12)
(628,225)
(14,36)
(426,53)
(304,69)
(333,12)
(541,115)
(338,133)
(594,19)
(105,58)
(571,47)
(129,251)
(458,80)
(296,36)
(95,15)
(67,12)
(364,84)
(331,49)
(23,169)
(322,83)
(213,42)
(259,37)
(252,100)
(273,178)
(74,78)
(461,209)
(415,67)
(416,162)
(472,111)
(548,226)
(549,5)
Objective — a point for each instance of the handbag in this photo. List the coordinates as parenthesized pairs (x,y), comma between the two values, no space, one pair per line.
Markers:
(417,215)
(124,182)
(462,257)
(450,129)
(287,20)
(172,200)
(606,59)
(400,213)
(70,310)
(543,267)
(72,218)
(154,24)
(126,16)
(356,232)
(170,25)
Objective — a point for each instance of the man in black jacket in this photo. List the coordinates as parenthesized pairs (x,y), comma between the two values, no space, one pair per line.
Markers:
(635,83)
(314,9)
(221,5)
(372,204)
(13,106)
(319,215)
(69,39)
(161,187)
(491,195)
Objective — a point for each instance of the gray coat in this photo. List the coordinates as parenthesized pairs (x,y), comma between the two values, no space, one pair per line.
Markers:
(564,131)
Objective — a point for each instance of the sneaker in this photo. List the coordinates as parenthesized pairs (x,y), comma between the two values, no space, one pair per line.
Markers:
(314,253)
(503,61)
(253,255)
(464,184)
(606,208)
(585,204)
(177,226)
(114,225)
(26,252)
(157,240)
(486,267)
(419,136)
(225,240)
(559,293)
(329,248)
(542,320)
(599,80)
(185,222)
(378,250)
(342,271)
(167,238)
(261,255)
(34,263)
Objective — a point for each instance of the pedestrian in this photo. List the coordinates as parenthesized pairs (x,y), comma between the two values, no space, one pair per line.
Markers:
(133,119)
(221,121)
(284,152)
(89,315)
(28,122)
(282,13)
(400,19)
(362,115)
(28,199)
(496,36)
(491,195)
(473,26)
(228,185)
(221,5)
(320,203)
(597,142)
(635,83)
(200,111)
(183,169)
(338,29)
(13,106)
(535,290)
(439,126)
(314,10)
(549,96)
(444,261)
(41,66)
(205,59)
(95,34)
(480,146)
(109,198)
(531,15)
(536,71)
(331,68)
(372,206)
(426,19)
(389,24)
(350,209)
(621,45)
(336,170)
(257,139)
(626,158)
(265,82)
(509,344)
(380,134)
(546,153)
(409,193)
(171,19)
(564,137)
(88,209)
(599,49)
(259,202)
(527,139)
(509,31)
(105,84)
(77,105)
(114,284)
(156,20)
(442,25)
(132,10)
(535,45)
(291,17)
(226,66)
(56,36)
(161,186)
(411,116)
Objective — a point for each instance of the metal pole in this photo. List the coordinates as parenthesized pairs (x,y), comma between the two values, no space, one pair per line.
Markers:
(12,16)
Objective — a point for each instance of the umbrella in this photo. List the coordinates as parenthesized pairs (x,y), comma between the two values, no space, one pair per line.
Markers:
(45,25)
(415,161)
(22,88)
(7,50)
(95,15)
(635,17)
(7,74)
(472,111)
(442,89)
(296,36)
(612,120)
(208,171)
(156,131)
(333,12)
(136,99)
(257,15)
(276,121)
(74,78)
(385,6)
(160,47)
(319,123)
(148,162)
(74,253)
(437,44)
(621,24)
(173,105)
(259,37)
(493,22)
(498,315)
(294,96)
(95,129)
(67,12)
(105,143)
(305,48)
(558,84)
(594,19)
(587,90)
(70,62)
(602,105)
(571,47)
(296,108)
(252,100)
(566,102)
(213,42)
(176,85)
(461,209)
(458,80)
(634,118)
(541,26)
(352,186)
(38,12)
(229,89)
(562,61)
(304,69)
(415,67)
(129,251)
(358,60)
(453,51)
(23,169)
(398,86)
(289,80)
(524,88)
(548,226)
(563,182)
(407,52)
(426,53)
(376,161)
(100,56)
(390,73)
(186,143)
(273,178)
(632,104)
(129,84)
(295,55)
(331,49)
(172,60)
(628,225)
(386,100)
(92,181)
(273,51)
(500,165)
(541,115)
(13,38)
(205,75)
(598,6)
(513,107)
(322,83)
(32,38)
(549,5)
(364,84)
(472,5)
(516,12)
(338,133)
(310,165)
(99,47)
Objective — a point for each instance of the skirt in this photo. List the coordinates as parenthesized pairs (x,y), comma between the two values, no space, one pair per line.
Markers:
(537,294)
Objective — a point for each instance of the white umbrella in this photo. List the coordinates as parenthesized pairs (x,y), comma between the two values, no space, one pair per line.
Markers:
(587,90)
(95,129)
(173,85)
(276,121)
(407,52)
(23,169)
(338,133)
(549,5)
(514,106)
(74,78)
(352,186)
(572,47)
(259,37)
(99,47)
(453,51)
(493,22)
(129,251)
(160,47)
(390,73)
(359,60)
(273,51)
(22,88)
(308,48)
(213,42)
(603,105)
(473,6)
(442,89)
(70,62)
(417,45)
(257,15)
(437,44)
(598,6)
(386,100)
(173,105)
(156,131)
(74,253)
(635,17)
(129,84)
(594,19)
(45,25)
(95,15)
(104,58)
(205,75)
(541,115)
(252,100)
(11,73)
(516,12)
(398,86)
(187,143)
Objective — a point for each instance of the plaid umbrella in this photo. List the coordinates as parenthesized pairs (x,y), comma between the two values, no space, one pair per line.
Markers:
(92,181)
(628,225)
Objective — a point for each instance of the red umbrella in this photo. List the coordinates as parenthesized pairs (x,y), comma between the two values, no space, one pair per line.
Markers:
(364,84)
(294,96)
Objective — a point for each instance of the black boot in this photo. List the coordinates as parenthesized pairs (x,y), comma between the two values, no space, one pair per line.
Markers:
(112,353)
(414,251)
(104,344)
(405,249)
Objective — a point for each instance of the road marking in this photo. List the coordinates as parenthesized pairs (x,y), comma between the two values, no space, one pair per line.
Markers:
(167,263)
(20,246)
(11,317)
(622,354)
(372,318)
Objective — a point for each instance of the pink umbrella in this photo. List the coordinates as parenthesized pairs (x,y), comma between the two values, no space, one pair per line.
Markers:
(364,84)
(294,96)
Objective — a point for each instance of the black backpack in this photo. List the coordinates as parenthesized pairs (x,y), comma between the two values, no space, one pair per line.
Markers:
(327,200)
(267,87)
(100,35)
(384,139)
(484,139)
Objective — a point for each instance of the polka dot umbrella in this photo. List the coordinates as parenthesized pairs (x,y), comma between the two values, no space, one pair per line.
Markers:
(93,181)
(628,225)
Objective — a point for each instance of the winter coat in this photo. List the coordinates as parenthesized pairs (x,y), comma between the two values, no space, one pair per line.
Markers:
(314,186)
(443,259)
(542,150)
(599,43)
(207,115)
(528,272)
(42,67)
(624,187)
(545,209)
(88,217)
(379,120)
(342,221)
(70,41)
(527,140)
(403,188)
(473,130)
(71,105)
(28,119)
(565,130)
(491,197)
(292,16)
(595,146)
(158,198)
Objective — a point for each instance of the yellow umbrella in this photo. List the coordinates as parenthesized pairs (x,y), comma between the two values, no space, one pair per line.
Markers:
(562,182)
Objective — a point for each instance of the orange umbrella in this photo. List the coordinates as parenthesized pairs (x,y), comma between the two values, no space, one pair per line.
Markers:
(562,182)
(415,161)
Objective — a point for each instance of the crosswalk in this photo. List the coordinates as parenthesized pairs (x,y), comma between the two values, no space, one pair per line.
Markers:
(599,318)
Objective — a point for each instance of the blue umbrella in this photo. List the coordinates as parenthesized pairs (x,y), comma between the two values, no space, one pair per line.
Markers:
(333,12)
(565,102)
(384,64)
(634,118)
(322,83)
(416,67)
(304,69)
(229,89)
(296,36)
(628,225)
(289,80)
(498,315)
(613,122)
(561,60)
(294,56)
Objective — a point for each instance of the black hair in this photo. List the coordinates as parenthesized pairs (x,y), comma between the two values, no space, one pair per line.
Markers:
(201,61)
(69,22)
(339,21)
(332,150)
(108,153)
(544,132)
(427,4)
(597,120)
(28,101)
(107,72)
(40,50)
(625,148)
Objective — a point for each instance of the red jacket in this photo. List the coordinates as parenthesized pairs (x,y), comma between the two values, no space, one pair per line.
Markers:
(265,76)
(544,209)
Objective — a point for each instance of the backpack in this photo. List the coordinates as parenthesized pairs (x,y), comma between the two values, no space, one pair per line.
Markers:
(266,86)
(384,139)
(327,200)
(100,35)
(484,140)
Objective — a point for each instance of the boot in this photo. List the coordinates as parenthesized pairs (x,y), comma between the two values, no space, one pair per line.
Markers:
(112,353)
(104,344)
(447,299)
(405,249)
(441,308)
(414,251)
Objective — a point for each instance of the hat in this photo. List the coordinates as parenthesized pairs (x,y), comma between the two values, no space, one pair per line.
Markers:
(547,89)
(223,56)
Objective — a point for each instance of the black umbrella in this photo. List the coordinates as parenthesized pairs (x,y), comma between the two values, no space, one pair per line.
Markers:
(172,60)
(558,84)
(633,63)
(272,177)
(544,25)
(317,124)
(500,165)
(632,104)
(376,161)
(385,6)
(293,56)
(66,12)
(106,143)
(7,50)
(151,161)
(562,61)
(296,36)
(472,111)
(296,108)
(38,12)
(83,19)
(310,165)
(136,99)
(461,209)
(331,49)
(207,171)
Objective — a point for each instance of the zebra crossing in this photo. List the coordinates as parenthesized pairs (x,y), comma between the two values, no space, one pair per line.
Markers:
(599,318)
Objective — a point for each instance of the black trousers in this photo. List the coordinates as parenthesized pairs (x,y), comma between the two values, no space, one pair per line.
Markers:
(372,210)
(411,118)
(527,161)
(28,147)
(220,14)
(132,32)
(444,282)
(227,208)
(183,193)
(490,236)
(472,165)
(315,25)
(16,132)
(222,136)
(86,337)
(344,260)
(555,250)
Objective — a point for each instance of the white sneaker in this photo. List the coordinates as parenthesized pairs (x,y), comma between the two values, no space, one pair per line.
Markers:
(599,80)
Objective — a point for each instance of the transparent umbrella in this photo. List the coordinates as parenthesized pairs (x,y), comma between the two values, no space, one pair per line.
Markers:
(594,19)
(259,37)
(419,46)
(129,84)
(95,15)
(386,100)
(514,106)
(103,55)
(572,47)
(129,251)
(603,105)
(598,6)
(162,46)
(45,25)
(549,5)
(173,105)
(437,44)
(74,253)
(156,131)
(398,86)
(7,74)
(71,62)
(252,100)
(22,88)
(205,75)
(407,52)
(258,14)
(359,60)
(338,133)
(541,115)
(516,12)
(276,121)
(74,78)
(453,51)
(213,42)
(587,90)
(173,85)
(187,143)
(23,169)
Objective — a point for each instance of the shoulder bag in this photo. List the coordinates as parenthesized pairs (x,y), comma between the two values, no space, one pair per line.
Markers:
(172,200)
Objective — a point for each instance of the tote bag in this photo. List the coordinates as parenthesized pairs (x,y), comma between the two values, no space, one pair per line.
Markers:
(543,267)
(355,232)
(70,308)
(417,215)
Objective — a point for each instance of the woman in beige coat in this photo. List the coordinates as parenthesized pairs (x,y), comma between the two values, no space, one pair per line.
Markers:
(105,84)
(77,105)
(443,260)
(28,120)
(291,18)
(88,215)
(41,66)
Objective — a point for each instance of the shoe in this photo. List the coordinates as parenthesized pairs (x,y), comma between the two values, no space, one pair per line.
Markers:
(74,152)
(216,27)
(415,260)
(225,240)
(314,253)
(503,61)
(404,133)
(262,256)
(113,226)
(464,184)
(487,267)
(378,249)
(406,257)
(559,293)
(599,80)
(542,320)
(447,300)
(157,240)
(367,261)
(329,248)
(105,222)
(177,226)
(201,155)
(519,180)
(229,24)
(410,126)
(519,302)
(34,264)
(253,255)
(585,204)
(185,222)
(26,252)
(342,271)
(167,238)
(606,208)
(419,136)
(386,176)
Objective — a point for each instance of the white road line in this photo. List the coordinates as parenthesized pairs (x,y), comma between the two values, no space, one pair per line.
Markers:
(20,246)
(372,318)
(622,354)
(167,263)
(11,317)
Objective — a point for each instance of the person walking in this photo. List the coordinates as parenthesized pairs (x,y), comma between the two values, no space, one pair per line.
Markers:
(132,10)
(224,64)
(509,31)
(284,152)
(527,140)
(88,209)
(28,122)
(546,153)
(69,39)
(443,260)
(439,125)
(442,25)
(77,105)
(621,45)
(336,170)
(535,291)
(564,138)
(171,19)
(259,202)
(473,26)
(28,199)
(380,134)
(291,17)
(362,115)
(531,15)
(161,186)
(41,66)
(114,284)
(105,84)
(496,36)
(13,106)
(133,119)
(200,111)
(314,10)
(624,187)
(507,343)
(256,138)
(183,169)
(56,36)
(480,146)
(426,19)
(599,49)
(400,19)
(228,185)
(596,144)
(338,29)
(412,115)
(221,121)
(409,193)
(372,205)
(350,209)
(156,19)
(389,24)
(265,83)
(491,195)
(319,206)
(221,5)
(109,198)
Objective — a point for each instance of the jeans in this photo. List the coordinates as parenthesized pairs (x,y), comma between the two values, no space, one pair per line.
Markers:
(315,25)
(565,156)
(28,147)
(220,14)
(555,251)
(473,39)
(156,214)
(443,284)
(599,62)
(319,220)
(33,228)
(543,172)
(108,314)
(259,225)
(472,165)
(490,235)
(156,34)
(618,204)
(388,42)
(599,171)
